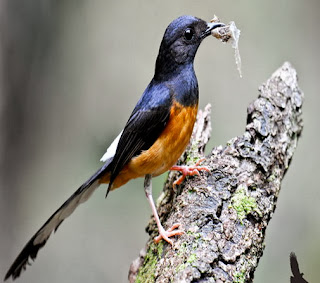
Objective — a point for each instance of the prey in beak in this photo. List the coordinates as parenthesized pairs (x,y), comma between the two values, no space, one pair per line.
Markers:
(210,27)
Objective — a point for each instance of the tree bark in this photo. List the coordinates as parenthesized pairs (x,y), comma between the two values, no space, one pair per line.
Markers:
(225,213)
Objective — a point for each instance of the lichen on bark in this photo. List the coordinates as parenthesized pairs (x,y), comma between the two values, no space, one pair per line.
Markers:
(225,213)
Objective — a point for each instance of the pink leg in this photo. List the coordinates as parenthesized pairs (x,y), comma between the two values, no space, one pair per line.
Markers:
(188,171)
(163,234)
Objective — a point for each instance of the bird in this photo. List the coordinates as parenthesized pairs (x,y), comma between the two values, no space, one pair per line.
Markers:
(154,137)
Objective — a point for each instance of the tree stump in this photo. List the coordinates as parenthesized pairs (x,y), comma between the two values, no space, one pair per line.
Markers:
(225,213)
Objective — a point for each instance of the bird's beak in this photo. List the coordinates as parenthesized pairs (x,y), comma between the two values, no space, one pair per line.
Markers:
(210,27)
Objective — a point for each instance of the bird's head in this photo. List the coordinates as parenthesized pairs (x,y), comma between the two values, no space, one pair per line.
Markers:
(180,43)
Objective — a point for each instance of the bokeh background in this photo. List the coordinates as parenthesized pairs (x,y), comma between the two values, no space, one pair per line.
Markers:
(71,72)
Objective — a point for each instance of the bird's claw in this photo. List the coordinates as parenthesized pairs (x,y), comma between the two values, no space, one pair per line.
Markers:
(188,171)
(165,235)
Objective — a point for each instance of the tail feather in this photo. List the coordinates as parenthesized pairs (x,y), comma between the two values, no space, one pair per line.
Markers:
(40,238)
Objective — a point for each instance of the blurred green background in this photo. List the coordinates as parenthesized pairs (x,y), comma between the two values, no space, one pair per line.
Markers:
(71,73)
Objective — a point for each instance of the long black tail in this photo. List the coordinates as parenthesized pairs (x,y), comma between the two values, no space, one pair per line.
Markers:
(40,238)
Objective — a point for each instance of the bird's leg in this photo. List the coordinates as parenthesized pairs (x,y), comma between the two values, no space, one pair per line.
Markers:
(188,171)
(163,234)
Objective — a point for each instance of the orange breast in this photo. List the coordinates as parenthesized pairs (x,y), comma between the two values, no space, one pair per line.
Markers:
(167,149)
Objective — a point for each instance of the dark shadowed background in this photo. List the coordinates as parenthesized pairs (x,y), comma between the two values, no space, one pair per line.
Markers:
(71,73)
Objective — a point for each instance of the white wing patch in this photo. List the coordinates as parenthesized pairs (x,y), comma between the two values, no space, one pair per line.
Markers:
(111,151)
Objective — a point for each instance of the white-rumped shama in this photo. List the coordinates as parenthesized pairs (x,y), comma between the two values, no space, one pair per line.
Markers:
(154,137)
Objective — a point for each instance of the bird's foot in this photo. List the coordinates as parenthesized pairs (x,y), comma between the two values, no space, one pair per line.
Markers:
(188,171)
(165,235)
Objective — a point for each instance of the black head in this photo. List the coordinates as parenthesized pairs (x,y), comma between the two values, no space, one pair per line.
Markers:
(180,43)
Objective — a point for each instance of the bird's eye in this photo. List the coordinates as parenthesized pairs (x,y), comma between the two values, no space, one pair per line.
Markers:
(188,34)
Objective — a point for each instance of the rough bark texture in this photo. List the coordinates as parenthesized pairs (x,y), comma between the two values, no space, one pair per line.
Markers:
(225,213)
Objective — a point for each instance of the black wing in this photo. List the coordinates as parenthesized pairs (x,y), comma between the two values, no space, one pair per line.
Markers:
(144,126)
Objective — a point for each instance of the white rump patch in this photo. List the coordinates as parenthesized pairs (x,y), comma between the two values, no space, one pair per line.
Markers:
(111,151)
